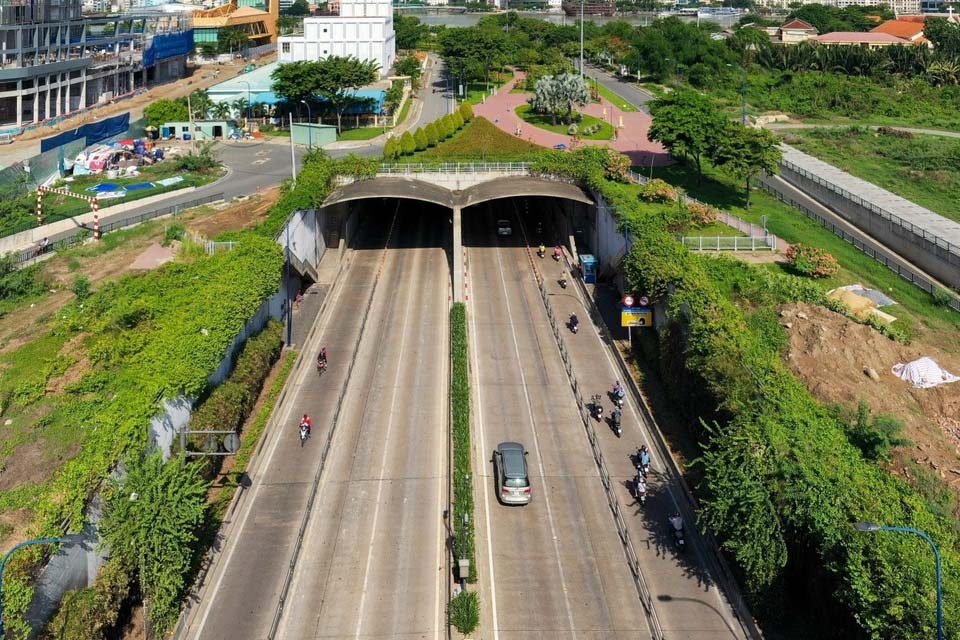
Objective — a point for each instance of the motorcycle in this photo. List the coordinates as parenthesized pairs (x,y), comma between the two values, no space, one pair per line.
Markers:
(676,527)
(304,432)
(321,367)
(574,324)
(615,419)
(643,463)
(541,253)
(618,395)
(596,408)
(563,282)
(556,255)
(641,489)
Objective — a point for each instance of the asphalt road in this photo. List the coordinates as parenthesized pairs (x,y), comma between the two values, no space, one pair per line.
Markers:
(626,89)
(373,562)
(554,568)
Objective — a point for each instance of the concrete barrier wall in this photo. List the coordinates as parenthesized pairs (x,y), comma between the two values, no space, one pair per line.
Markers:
(936,261)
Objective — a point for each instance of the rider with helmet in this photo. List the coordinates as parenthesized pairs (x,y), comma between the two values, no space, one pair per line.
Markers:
(306,422)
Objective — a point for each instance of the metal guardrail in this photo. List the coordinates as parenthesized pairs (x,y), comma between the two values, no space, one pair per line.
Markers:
(894,265)
(866,204)
(298,545)
(405,168)
(730,243)
(81,231)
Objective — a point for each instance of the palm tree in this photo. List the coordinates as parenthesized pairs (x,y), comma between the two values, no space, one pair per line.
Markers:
(240,106)
(220,110)
(200,103)
(944,73)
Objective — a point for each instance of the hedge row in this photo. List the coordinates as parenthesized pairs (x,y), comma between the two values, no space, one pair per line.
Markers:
(463,540)
(429,135)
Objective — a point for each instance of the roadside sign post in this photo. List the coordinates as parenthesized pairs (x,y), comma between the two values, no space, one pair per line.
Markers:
(631,316)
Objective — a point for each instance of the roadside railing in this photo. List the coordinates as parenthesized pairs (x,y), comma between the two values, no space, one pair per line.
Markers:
(896,266)
(866,204)
(405,168)
(730,243)
(81,232)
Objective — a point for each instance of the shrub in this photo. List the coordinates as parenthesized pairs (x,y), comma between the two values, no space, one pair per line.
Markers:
(657,190)
(433,136)
(942,297)
(457,120)
(572,130)
(466,112)
(811,261)
(203,161)
(16,284)
(407,143)
(875,436)
(702,214)
(463,539)
(173,232)
(391,149)
(81,287)
(420,139)
(465,611)
(92,613)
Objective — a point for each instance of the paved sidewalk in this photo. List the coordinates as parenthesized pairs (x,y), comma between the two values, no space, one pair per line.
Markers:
(631,140)
(930,222)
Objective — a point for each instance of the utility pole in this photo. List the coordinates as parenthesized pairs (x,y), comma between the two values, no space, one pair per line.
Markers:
(293,155)
(193,145)
(581,39)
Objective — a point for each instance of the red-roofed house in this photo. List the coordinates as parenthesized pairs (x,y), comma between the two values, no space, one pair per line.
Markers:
(869,39)
(910,30)
(794,31)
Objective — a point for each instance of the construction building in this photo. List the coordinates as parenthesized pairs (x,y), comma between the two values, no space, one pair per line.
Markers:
(256,18)
(53,62)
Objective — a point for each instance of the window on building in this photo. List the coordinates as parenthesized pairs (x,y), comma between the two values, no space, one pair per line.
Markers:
(286,47)
(324,30)
(324,52)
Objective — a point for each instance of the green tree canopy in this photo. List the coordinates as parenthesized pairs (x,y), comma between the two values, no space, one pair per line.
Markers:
(164,110)
(409,30)
(298,8)
(407,144)
(433,136)
(335,79)
(420,139)
(232,39)
(744,152)
(295,81)
(687,124)
(559,95)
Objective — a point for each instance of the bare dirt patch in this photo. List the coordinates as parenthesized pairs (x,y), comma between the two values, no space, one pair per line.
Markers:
(237,216)
(13,526)
(26,465)
(75,371)
(831,354)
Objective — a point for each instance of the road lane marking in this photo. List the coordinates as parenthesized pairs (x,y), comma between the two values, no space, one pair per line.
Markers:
(536,445)
(265,463)
(442,476)
(482,464)
(383,459)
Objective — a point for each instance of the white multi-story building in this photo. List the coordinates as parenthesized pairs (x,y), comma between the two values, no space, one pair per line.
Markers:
(364,29)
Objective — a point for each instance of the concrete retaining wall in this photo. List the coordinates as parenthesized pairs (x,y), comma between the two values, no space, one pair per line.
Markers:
(935,260)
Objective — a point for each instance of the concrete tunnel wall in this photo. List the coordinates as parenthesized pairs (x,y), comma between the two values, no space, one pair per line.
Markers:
(576,202)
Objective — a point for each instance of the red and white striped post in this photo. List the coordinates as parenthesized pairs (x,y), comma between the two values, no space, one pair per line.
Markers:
(39,206)
(95,205)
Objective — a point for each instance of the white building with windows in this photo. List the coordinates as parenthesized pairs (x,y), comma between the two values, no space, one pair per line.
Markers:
(364,29)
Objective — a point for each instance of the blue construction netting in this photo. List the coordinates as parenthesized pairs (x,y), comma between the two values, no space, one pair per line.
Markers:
(92,133)
(168,45)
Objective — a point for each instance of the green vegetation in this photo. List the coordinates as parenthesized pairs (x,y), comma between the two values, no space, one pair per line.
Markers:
(335,79)
(363,133)
(93,613)
(428,136)
(463,517)
(920,168)
(612,97)
(465,611)
(480,141)
(133,342)
(604,131)
(164,110)
(477,92)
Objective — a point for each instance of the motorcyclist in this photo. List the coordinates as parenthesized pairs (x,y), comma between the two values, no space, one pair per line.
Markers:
(541,250)
(306,422)
(322,358)
(677,523)
(641,486)
(644,456)
(556,252)
(618,390)
(574,322)
(616,415)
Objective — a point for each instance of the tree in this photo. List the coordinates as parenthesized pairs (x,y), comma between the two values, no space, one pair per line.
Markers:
(232,39)
(240,105)
(164,110)
(209,49)
(298,8)
(391,149)
(220,110)
(445,126)
(944,35)
(151,522)
(457,120)
(337,79)
(200,103)
(744,152)
(420,139)
(556,95)
(466,112)
(687,124)
(408,30)
(407,144)
(408,66)
(295,81)
(433,136)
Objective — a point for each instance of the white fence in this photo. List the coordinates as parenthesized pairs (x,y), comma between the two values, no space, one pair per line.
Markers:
(730,243)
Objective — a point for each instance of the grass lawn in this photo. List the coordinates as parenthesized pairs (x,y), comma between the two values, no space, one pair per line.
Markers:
(277,133)
(583,120)
(363,133)
(481,140)
(793,226)
(477,90)
(610,95)
(920,168)
(713,230)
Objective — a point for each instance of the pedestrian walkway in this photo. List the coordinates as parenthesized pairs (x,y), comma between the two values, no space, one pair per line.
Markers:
(872,197)
(631,139)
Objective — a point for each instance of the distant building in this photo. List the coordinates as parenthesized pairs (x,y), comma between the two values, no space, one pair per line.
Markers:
(910,30)
(67,63)
(794,31)
(867,39)
(364,29)
(256,18)
(897,6)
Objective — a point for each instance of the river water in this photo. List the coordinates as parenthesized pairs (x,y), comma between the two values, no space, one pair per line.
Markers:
(639,19)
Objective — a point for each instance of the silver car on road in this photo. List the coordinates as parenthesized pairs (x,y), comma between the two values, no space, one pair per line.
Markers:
(510,471)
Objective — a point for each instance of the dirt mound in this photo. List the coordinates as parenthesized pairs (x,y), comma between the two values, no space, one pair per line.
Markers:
(836,359)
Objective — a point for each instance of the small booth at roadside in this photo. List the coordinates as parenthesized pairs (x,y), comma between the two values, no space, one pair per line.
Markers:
(588,268)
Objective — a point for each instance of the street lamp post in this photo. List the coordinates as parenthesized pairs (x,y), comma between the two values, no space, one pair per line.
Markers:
(6,558)
(248,99)
(581,39)
(309,126)
(871,526)
(743,93)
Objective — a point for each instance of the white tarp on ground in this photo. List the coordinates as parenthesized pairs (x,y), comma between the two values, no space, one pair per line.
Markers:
(923,373)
